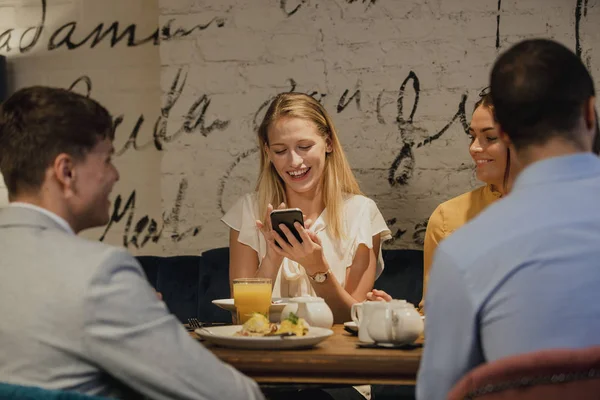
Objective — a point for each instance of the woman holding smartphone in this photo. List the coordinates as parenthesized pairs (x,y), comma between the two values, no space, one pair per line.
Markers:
(303,166)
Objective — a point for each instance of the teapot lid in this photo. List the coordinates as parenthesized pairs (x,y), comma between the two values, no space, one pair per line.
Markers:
(306,299)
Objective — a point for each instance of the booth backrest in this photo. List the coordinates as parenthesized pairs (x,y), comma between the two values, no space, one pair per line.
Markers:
(190,283)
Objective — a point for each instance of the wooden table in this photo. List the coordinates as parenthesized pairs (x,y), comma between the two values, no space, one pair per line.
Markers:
(336,360)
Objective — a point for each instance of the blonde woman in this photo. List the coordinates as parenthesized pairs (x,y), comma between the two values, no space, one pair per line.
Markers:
(303,166)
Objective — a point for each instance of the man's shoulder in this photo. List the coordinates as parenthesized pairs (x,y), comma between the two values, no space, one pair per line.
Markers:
(77,249)
(489,230)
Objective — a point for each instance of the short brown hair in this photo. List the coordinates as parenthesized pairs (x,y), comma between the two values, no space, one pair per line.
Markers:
(539,88)
(39,123)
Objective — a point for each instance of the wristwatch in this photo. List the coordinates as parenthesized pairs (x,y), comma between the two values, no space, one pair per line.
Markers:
(320,277)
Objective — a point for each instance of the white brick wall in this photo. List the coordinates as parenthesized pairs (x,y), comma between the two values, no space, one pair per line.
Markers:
(125,79)
(329,47)
(251,50)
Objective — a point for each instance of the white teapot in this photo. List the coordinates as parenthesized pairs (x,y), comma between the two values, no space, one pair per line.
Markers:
(395,322)
(314,310)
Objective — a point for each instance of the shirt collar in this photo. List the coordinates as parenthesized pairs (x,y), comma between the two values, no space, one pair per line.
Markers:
(64,224)
(558,169)
(490,193)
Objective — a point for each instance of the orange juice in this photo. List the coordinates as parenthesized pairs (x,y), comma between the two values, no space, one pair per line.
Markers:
(251,295)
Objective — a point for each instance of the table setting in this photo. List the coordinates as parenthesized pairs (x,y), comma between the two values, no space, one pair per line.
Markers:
(295,340)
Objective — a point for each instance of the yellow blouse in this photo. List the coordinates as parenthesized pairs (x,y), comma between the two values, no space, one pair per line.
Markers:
(451,215)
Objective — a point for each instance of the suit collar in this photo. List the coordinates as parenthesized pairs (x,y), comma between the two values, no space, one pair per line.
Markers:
(21,216)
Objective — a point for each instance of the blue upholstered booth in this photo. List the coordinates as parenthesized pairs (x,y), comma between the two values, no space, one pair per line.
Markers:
(189,283)
(19,392)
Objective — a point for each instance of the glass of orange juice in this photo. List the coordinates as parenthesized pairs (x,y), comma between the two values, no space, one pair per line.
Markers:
(251,295)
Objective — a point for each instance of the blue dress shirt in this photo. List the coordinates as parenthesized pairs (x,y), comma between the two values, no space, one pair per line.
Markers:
(522,276)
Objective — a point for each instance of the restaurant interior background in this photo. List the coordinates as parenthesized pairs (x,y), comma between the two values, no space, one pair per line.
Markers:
(189,80)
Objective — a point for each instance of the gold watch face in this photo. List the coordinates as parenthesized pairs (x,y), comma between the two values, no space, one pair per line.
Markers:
(320,277)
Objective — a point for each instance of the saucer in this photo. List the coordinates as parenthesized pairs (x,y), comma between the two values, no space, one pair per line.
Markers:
(401,346)
(351,326)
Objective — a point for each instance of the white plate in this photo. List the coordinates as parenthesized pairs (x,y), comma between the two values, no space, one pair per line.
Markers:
(351,325)
(223,336)
(227,304)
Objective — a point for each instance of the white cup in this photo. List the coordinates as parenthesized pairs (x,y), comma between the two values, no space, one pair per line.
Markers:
(396,322)
(361,318)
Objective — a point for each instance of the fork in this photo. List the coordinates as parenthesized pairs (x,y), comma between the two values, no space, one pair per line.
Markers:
(194,323)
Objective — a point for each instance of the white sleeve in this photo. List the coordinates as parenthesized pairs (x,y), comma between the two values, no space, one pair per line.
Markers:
(242,217)
(370,223)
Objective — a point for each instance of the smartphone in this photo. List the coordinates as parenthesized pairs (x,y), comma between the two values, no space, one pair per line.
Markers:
(287,217)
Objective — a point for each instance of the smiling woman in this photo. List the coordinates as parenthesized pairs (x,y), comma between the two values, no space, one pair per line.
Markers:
(493,167)
(303,166)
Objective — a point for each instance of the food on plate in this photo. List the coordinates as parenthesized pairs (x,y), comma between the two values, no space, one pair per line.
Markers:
(293,325)
(259,325)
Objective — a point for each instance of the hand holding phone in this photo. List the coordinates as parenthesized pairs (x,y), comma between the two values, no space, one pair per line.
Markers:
(287,217)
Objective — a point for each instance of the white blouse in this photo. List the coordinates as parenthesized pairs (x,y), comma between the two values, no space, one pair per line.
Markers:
(362,220)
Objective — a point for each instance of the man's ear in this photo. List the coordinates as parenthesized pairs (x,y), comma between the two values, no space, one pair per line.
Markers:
(590,113)
(64,171)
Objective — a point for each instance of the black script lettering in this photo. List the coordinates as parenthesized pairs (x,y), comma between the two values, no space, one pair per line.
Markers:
(225,177)
(378,108)
(5,40)
(461,115)
(581,10)
(369,3)
(38,32)
(173,219)
(266,103)
(147,226)
(399,232)
(578,14)
(405,160)
(64,35)
(194,120)
(132,140)
(293,84)
(342,104)
(419,233)
(97,35)
(167,33)
(118,214)
(498,25)
(284,7)
(85,80)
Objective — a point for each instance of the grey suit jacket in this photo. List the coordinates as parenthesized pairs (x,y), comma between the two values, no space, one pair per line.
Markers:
(79,315)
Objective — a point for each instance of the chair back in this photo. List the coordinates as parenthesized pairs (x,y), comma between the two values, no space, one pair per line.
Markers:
(20,392)
(547,374)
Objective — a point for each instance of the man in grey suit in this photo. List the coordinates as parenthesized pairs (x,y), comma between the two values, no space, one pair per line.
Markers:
(77,314)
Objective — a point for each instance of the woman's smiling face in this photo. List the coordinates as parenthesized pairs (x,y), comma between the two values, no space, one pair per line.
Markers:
(486,149)
(298,151)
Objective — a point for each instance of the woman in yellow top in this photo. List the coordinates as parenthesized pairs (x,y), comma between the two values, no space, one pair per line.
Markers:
(493,163)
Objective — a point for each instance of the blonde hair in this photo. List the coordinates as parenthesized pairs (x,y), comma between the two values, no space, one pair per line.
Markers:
(338,179)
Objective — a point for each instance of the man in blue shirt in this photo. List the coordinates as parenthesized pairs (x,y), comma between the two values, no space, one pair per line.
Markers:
(524,275)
